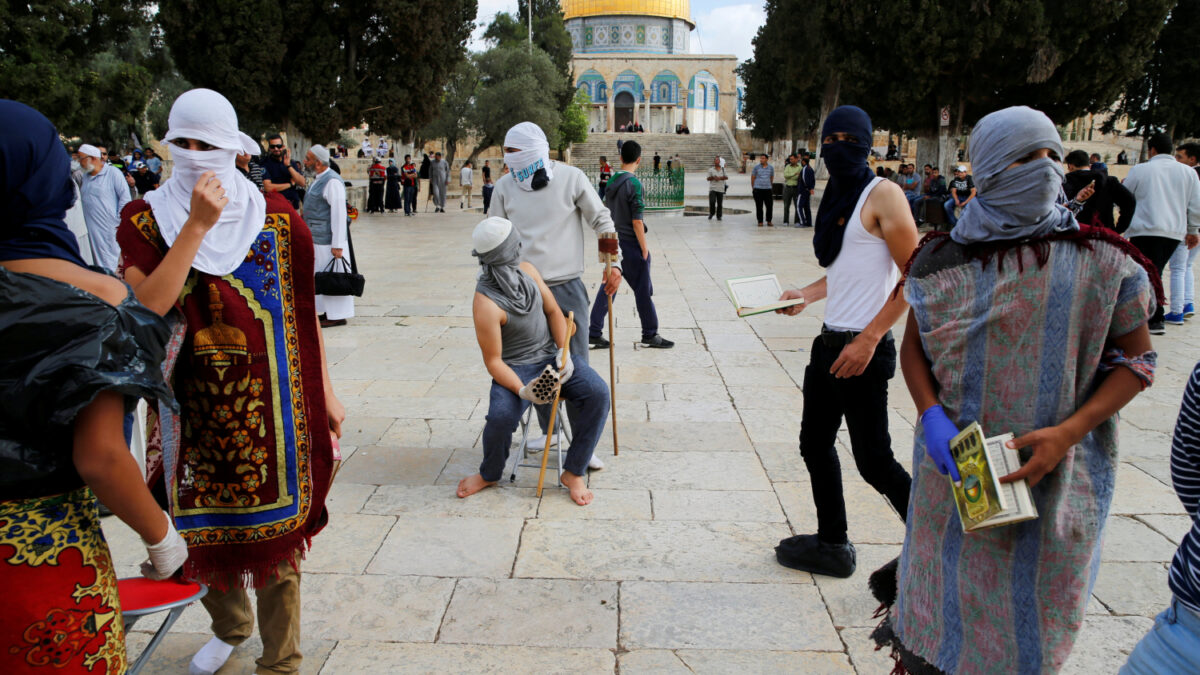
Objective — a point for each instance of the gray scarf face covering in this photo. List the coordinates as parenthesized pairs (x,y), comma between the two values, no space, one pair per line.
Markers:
(1017,203)
(501,280)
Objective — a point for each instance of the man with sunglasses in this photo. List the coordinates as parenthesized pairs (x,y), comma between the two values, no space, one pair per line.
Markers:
(279,173)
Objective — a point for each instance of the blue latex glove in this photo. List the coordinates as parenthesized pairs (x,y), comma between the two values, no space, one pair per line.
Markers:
(938,432)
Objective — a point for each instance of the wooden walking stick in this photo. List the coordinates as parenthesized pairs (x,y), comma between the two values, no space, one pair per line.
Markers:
(554,409)
(609,247)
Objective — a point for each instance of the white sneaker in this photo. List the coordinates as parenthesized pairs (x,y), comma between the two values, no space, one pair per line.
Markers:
(535,442)
(595,464)
(210,658)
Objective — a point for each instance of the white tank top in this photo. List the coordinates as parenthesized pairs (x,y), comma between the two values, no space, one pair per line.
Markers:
(862,277)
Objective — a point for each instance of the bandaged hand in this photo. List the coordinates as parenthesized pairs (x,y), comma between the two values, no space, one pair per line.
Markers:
(938,432)
(565,368)
(167,556)
(541,389)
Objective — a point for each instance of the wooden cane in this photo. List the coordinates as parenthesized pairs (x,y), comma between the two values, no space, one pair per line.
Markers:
(554,409)
(608,254)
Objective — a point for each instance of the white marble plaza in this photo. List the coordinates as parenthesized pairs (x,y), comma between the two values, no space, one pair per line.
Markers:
(671,569)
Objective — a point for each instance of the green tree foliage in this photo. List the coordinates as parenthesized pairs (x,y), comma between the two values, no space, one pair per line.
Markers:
(1164,96)
(322,65)
(453,120)
(574,125)
(56,56)
(1065,57)
(549,34)
(787,77)
(515,86)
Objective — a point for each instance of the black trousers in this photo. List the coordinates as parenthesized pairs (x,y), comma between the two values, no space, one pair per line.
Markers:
(790,192)
(863,402)
(804,208)
(1158,250)
(763,197)
(716,202)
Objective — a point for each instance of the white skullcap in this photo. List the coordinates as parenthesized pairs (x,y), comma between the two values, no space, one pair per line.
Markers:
(490,233)
(249,145)
(526,136)
(321,153)
(89,150)
(204,115)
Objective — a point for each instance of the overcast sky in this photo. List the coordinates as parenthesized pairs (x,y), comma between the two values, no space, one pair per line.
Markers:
(722,26)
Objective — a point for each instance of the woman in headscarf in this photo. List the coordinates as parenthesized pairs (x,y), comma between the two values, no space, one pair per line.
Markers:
(79,350)
(393,202)
(376,179)
(247,465)
(1025,322)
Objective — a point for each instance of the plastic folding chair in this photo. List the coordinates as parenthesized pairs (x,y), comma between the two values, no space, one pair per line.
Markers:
(141,597)
(524,452)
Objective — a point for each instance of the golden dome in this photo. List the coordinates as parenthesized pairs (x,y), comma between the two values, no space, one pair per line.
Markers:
(671,9)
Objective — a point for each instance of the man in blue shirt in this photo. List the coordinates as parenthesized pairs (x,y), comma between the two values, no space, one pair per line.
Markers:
(808,186)
(761,178)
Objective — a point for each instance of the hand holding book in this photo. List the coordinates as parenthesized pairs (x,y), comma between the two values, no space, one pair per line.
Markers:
(1050,445)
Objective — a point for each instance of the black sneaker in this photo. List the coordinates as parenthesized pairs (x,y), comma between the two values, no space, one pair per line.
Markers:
(806,553)
(597,342)
(657,341)
(1157,328)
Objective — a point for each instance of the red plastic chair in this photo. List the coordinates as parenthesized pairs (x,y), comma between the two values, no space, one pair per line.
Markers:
(141,596)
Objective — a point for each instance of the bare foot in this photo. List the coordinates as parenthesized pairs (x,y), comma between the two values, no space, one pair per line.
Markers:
(578,487)
(472,484)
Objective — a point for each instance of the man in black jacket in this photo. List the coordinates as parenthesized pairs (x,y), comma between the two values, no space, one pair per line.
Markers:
(1098,209)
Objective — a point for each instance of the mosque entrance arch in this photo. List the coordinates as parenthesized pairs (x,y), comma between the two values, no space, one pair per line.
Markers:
(623,104)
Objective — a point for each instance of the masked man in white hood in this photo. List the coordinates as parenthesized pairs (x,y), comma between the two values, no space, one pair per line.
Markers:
(550,204)
(247,462)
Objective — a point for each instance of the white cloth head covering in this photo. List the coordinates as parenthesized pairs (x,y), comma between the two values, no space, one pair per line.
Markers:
(321,153)
(89,150)
(249,145)
(490,233)
(534,154)
(205,115)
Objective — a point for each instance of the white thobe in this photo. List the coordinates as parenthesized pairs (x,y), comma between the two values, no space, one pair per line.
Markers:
(334,307)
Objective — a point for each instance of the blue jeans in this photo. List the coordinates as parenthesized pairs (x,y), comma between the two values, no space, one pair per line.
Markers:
(587,404)
(1182,279)
(1171,646)
(948,206)
(636,273)
(410,199)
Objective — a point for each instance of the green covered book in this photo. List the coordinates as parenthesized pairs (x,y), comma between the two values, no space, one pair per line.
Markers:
(982,500)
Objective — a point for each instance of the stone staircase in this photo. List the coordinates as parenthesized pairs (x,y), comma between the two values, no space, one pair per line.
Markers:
(696,150)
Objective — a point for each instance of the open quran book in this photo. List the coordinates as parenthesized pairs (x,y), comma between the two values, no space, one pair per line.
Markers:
(983,501)
(758,295)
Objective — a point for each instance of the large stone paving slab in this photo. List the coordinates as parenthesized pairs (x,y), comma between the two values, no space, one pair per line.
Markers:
(449,547)
(532,613)
(390,658)
(657,550)
(438,500)
(373,607)
(725,616)
(713,505)
(684,471)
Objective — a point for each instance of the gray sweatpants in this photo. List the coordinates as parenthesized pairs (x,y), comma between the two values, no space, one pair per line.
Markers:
(572,296)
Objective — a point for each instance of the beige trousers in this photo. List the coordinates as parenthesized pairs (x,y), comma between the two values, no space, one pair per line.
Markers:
(467,193)
(278,619)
